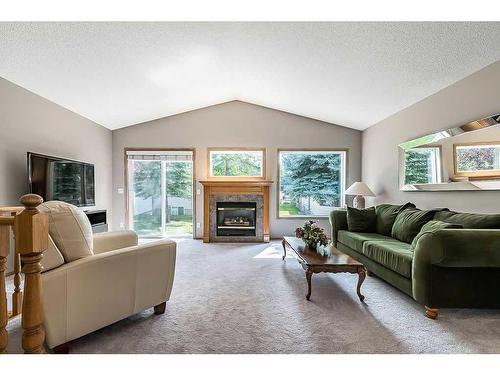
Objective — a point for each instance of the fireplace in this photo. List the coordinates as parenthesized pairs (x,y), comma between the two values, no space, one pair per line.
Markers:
(236,218)
(236,211)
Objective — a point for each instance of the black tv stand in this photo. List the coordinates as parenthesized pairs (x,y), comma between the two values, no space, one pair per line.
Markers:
(98,219)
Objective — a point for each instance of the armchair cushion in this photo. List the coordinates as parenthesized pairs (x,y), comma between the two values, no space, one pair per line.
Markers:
(108,241)
(70,229)
(52,257)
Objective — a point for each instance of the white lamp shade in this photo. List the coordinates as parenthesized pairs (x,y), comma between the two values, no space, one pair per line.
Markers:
(359,188)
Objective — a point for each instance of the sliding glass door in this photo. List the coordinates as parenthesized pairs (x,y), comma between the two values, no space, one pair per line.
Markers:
(160,193)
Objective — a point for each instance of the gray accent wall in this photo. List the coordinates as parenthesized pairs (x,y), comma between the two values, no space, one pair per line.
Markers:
(472,98)
(233,124)
(29,122)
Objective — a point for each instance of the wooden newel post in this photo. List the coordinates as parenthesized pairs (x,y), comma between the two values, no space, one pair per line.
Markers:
(31,230)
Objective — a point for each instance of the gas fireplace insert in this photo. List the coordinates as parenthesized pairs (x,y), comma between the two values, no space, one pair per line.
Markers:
(236,218)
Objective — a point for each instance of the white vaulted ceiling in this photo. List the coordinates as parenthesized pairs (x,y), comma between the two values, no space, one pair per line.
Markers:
(352,74)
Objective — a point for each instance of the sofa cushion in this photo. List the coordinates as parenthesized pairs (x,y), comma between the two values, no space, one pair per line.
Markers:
(361,220)
(409,222)
(430,227)
(386,214)
(393,254)
(52,257)
(469,221)
(355,240)
(70,229)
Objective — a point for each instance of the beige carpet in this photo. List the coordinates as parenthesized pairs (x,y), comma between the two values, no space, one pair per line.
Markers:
(230,298)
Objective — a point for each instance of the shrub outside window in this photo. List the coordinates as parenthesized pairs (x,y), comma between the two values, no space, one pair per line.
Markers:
(236,163)
(477,160)
(423,165)
(311,182)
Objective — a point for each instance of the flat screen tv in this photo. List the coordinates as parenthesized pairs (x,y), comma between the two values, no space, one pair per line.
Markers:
(57,179)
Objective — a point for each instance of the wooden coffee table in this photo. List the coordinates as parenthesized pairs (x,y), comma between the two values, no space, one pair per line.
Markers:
(325,259)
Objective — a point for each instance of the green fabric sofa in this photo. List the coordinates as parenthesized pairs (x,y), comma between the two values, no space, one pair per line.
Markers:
(454,268)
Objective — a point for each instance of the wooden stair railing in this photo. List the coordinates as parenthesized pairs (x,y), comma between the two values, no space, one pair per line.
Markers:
(31,240)
(4,253)
(17,295)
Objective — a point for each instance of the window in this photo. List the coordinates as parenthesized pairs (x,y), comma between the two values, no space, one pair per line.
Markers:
(237,163)
(311,183)
(160,192)
(481,160)
(423,165)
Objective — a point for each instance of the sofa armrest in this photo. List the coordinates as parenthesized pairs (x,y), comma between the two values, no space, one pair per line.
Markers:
(114,240)
(93,292)
(338,221)
(451,249)
(459,248)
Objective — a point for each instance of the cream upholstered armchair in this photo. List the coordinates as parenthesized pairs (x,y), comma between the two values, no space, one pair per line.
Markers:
(90,281)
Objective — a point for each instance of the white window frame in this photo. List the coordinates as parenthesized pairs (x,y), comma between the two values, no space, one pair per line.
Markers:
(436,163)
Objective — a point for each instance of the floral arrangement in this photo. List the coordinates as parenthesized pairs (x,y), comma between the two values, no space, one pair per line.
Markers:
(311,234)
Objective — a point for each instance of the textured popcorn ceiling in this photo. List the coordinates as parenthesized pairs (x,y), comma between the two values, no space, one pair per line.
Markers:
(352,74)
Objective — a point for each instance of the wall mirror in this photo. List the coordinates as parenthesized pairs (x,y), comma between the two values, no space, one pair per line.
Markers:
(463,158)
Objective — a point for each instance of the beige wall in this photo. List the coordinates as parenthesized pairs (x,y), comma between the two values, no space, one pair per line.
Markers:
(472,98)
(29,122)
(233,124)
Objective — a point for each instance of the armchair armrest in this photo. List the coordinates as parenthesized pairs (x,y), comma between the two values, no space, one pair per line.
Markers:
(338,221)
(444,253)
(107,241)
(93,292)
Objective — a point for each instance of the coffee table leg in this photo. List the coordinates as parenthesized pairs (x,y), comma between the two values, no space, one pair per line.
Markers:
(309,274)
(361,278)
(284,249)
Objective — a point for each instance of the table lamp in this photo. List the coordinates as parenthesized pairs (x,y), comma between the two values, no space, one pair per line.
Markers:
(360,190)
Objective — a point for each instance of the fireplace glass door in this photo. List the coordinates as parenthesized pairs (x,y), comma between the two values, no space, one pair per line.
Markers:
(236,218)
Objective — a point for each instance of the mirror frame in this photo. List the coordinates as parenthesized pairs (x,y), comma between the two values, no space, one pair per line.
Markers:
(480,183)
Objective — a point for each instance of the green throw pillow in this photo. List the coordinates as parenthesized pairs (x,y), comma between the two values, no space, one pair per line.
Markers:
(409,222)
(361,220)
(386,214)
(430,227)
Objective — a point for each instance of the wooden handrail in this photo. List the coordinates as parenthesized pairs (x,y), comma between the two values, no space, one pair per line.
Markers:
(31,240)
(6,220)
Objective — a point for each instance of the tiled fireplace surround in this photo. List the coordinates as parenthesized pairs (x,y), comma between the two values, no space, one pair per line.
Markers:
(236,191)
